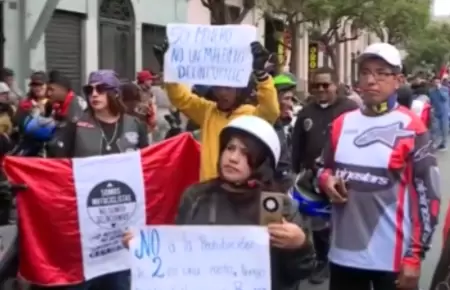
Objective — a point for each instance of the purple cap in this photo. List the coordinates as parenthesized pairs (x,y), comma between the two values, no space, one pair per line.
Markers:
(107,77)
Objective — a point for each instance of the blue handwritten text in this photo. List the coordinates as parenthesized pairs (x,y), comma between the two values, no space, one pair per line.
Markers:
(205,35)
(150,247)
(224,244)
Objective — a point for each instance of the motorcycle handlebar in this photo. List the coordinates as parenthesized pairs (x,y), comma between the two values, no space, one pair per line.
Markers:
(15,188)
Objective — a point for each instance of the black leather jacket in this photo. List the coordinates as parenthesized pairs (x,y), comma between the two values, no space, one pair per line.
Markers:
(283,173)
(209,204)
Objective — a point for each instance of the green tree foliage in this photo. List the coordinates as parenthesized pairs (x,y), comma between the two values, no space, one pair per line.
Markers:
(393,21)
(429,48)
(330,20)
(402,19)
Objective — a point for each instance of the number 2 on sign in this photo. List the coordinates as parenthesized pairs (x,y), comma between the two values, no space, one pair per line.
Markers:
(150,246)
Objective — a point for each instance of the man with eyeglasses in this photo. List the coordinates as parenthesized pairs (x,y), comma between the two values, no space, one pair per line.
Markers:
(383,181)
(308,139)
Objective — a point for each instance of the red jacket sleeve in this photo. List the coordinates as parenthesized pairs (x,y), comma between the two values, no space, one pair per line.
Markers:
(425,195)
(446,225)
(426,116)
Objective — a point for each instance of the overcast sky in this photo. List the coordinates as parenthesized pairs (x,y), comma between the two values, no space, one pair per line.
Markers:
(441,7)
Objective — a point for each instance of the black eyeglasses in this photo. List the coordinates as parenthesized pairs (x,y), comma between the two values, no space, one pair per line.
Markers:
(100,88)
(377,75)
(317,86)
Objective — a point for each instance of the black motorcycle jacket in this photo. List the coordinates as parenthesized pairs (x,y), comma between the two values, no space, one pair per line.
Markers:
(311,129)
(283,173)
(209,204)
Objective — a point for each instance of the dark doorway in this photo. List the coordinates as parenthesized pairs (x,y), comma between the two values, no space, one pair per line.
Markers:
(273,27)
(117,37)
(63,46)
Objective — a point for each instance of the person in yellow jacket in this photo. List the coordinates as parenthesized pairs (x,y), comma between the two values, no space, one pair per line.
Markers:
(213,116)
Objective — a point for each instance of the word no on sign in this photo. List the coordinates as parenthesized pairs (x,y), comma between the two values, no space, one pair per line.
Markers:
(218,55)
(197,257)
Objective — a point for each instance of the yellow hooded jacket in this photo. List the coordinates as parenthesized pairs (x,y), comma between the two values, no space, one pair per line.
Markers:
(211,120)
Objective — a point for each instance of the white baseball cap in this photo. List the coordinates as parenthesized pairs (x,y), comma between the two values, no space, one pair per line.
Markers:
(4,88)
(385,51)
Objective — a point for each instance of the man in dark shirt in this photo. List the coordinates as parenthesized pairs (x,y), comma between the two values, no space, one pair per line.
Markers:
(286,84)
(64,106)
(308,140)
(312,122)
(405,95)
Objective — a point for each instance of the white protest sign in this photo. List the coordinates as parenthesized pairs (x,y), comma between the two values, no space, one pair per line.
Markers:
(109,201)
(200,257)
(213,55)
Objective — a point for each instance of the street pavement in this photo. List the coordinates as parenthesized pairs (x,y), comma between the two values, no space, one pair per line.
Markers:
(433,255)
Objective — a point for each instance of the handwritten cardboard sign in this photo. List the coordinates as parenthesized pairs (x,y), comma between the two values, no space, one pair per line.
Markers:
(200,257)
(218,55)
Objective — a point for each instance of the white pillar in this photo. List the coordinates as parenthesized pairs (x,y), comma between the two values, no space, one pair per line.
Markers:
(91,34)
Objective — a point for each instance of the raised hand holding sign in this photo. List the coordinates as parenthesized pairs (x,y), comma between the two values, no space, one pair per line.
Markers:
(218,55)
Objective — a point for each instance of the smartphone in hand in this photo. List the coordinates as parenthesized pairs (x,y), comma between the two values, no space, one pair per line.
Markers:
(271,207)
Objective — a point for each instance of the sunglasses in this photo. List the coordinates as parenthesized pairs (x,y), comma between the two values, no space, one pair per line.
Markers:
(35,84)
(316,86)
(100,89)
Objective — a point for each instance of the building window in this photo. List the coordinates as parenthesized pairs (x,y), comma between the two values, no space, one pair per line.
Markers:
(152,35)
(117,9)
(233,11)
(273,29)
(116,37)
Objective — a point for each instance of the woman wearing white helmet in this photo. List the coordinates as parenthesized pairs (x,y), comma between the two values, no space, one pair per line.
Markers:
(249,152)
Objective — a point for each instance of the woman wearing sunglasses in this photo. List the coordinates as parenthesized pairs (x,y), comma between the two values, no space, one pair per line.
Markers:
(104,128)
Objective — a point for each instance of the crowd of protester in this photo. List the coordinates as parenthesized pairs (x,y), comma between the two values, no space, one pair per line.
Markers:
(262,138)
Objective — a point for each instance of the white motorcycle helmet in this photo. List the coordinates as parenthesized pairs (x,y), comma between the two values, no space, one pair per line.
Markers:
(258,128)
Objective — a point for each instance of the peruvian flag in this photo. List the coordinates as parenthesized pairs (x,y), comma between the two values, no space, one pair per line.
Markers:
(74,212)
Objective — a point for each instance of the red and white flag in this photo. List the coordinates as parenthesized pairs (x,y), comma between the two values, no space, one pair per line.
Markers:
(74,212)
